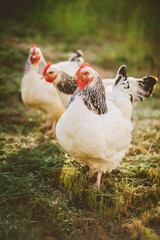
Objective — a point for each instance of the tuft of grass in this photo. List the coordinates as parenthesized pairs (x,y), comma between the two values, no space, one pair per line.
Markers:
(139,231)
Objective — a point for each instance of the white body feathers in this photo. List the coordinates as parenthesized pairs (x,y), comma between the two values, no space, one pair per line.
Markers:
(41,95)
(100,141)
(69,67)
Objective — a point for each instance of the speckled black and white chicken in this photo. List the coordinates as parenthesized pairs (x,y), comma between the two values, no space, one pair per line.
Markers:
(39,94)
(140,88)
(98,131)
(62,73)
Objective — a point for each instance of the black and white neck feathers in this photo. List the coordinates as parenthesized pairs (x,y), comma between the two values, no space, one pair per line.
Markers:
(93,97)
(66,84)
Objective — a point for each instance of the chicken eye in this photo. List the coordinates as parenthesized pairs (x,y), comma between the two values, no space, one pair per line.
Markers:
(51,72)
(85,73)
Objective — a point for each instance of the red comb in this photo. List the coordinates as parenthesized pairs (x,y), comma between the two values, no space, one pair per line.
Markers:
(82,66)
(47,66)
(34,49)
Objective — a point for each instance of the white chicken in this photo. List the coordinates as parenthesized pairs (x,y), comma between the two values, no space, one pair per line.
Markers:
(98,131)
(63,82)
(39,94)
(66,85)
(68,68)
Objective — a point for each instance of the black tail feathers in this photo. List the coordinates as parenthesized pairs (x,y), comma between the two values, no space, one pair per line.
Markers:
(148,84)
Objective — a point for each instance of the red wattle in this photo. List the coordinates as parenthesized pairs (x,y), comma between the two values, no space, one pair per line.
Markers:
(37,59)
(81,84)
(49,80)
(34,60)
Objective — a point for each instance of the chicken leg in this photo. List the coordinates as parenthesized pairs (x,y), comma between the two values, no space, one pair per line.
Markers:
(98,182)
(47,124)
(53,129)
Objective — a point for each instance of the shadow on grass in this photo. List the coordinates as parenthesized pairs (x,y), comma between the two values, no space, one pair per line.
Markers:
(28,184)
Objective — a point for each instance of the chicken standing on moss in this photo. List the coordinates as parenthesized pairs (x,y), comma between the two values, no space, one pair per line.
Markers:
(98,131)
(39,94)
(73,138)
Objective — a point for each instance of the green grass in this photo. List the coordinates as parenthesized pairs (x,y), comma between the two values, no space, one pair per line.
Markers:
(44,193)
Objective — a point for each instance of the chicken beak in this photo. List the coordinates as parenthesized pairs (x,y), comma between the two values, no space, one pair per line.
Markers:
(75,77)
(43,77)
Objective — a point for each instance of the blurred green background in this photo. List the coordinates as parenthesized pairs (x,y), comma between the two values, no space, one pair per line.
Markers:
(120,32)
